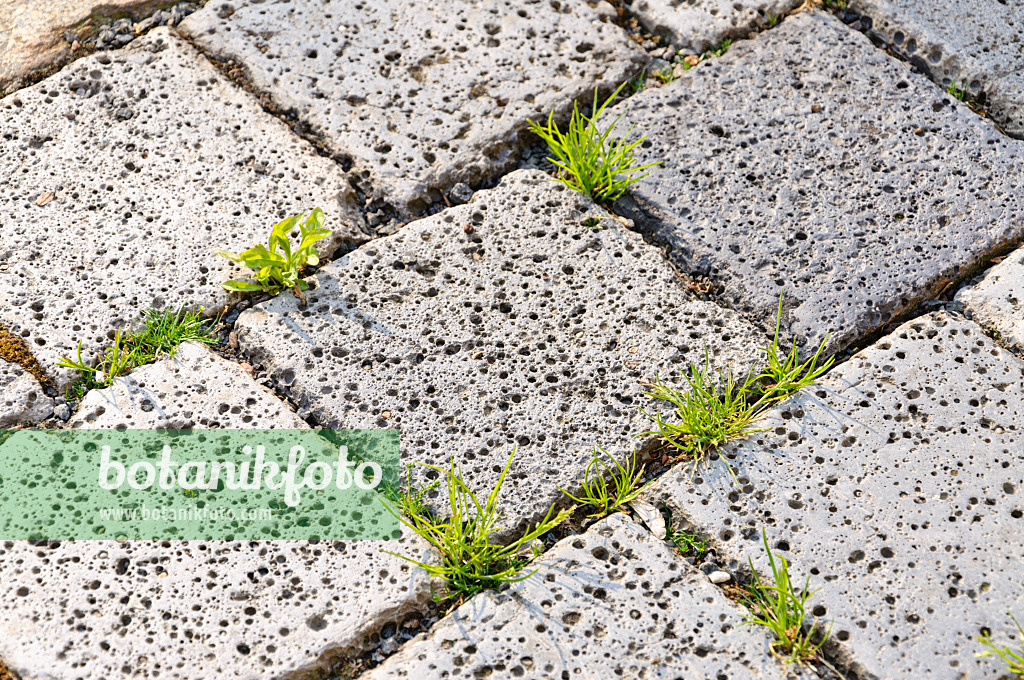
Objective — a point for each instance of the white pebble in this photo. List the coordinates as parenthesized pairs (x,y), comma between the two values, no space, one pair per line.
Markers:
(719,577)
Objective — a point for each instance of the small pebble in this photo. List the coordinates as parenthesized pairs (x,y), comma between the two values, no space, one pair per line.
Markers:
(459,194)
(719,577)
(62,411)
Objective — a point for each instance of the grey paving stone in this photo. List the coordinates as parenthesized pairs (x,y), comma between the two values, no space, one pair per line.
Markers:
(700,25)
(530,332)
(194,388)
(896,486)
(995,303)
(191,609)
(32,33)
(809,161)
(22,399)
(155,160)
(186,610)
(977,42)
(419,94)
(613,602)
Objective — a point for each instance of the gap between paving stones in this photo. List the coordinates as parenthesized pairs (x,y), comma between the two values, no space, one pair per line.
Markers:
(103,19)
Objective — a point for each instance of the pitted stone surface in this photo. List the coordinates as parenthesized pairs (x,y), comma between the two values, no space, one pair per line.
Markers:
(613,602)
(700,25)
(419,94)
(980,42)
(22,399)
(530,332)
(194,388)
(808,161)
(155,159)
(188,610)
(32,33)
(896,484)
(193,609)
(997,302)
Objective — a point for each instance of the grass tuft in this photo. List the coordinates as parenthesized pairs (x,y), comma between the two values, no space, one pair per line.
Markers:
(163,332)
(591,160)
(687,542)
(716,411)
(1014,661)
(781,608)
(471,561)
(606,488)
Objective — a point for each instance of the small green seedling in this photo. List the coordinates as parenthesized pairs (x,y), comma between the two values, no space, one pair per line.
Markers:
(772,19)
(277,266)
(722,48)
(960,93)
(410,499)
(1014,660)
(164,331)
(782,377)
(607,487)
(781,608)
(687,543)
(590,160)
(714,412)
(471,561)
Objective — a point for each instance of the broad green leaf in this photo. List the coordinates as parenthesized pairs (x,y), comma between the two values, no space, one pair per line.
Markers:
(231,256)
(315,221)
(242,286)
(312,259)
(303,285)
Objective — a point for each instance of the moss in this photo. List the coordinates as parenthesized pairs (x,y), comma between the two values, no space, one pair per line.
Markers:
(14,350)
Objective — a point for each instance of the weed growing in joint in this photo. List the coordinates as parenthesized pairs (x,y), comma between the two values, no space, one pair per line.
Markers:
(1014,661)
(960,93)
(714,412)
(470,561)
(410,499)
(606,487)
(590,160)
(687,543)
(164,331)
(275,270)
(772,20)
(781,608)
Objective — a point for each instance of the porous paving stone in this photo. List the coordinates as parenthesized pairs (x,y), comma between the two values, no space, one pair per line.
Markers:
(808,161)
(498,325)
(975,43)
(192,609)
(196,609)
(702,24)
(123,172)
(996,303)
(613,602)
(22,398)
(419,94)
(194,388)
(32,34)
(895,484)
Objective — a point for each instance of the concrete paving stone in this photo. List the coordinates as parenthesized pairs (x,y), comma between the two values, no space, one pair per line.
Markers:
(977,42)
(612,602)
(700,25)
(189,609)
(498,324)
(808,161)
(155,159)
(996,303)
(419,94)
(194,388)
(32,34)
(895,485)
(22,398)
